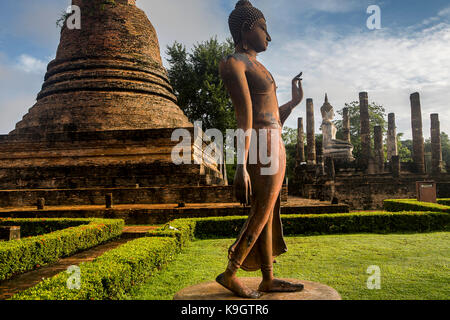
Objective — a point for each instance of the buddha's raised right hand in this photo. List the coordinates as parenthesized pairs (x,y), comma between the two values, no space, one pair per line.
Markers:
(242,185)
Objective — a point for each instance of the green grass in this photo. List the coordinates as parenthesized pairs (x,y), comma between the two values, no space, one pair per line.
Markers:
(413,266)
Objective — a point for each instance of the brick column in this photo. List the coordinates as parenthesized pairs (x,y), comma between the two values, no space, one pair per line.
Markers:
(346,125)
(418,143)
(300,142)
(310,132)
(109,200)
(40,203)
(392,147)
(395,166)
(378,149)
(365,129)
(330,169)
(319,159)
(436,148)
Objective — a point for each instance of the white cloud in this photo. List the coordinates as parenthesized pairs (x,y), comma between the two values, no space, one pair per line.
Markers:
(192,21)
(430,20)
(310,6)
(187,22)
(442,15)
(37,21)
(333,6)
(390,67)
(30,64)
(444,12)
(18,91)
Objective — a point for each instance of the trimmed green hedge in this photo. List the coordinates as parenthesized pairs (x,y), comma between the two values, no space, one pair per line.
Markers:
(111,275)
(397,205)
(37,227)
(372,222)
(114,273)
(26,254)
(185,230)
(445,202)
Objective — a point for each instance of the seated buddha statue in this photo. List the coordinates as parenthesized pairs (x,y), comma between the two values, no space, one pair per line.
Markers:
(332,147)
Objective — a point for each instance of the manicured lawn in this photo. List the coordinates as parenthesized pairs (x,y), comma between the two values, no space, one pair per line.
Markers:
(413,266)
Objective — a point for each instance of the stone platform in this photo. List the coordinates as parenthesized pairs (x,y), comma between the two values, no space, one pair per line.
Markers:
(141,214)
(214,291)
(103,159)
(122,195)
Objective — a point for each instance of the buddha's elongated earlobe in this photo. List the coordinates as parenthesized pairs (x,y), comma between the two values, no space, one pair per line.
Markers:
(244,29)
(244,45)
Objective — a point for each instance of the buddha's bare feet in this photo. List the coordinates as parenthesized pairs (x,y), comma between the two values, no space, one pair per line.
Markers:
(277,285)
(234,285)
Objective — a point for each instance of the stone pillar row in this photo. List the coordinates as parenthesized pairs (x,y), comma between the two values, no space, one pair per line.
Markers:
(310,132)
(365,130)
(300,142)
(417,133)
(378,149)
(346,125)
(392,147)
(436,148)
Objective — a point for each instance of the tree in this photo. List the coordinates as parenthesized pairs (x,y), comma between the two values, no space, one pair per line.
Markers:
(404,148)
(197,84)
(290,141)
(199,88)
(445,142)
(445,146)
(377,115)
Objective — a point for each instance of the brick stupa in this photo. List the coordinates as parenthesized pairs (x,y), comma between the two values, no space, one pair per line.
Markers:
(105,114)
(106,76)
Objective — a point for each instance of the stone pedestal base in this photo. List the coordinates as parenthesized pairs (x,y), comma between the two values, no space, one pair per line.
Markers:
(340,155)
(214,291)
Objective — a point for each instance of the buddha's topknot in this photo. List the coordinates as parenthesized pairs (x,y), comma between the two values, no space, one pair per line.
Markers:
(244,12)
(243,3)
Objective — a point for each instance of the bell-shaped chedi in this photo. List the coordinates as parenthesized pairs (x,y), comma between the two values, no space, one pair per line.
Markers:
(105,115)
(108,75)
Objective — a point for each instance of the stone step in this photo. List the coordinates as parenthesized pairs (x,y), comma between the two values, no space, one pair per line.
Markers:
(131,195)
(107,176)
(134,232)
(124,195)
(163,213)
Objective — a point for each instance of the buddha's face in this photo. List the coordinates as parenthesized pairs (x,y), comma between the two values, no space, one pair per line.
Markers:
(258,38)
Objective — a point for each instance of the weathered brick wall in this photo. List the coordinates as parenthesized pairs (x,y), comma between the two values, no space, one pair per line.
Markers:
(106,159)
(152,195)
(368,193)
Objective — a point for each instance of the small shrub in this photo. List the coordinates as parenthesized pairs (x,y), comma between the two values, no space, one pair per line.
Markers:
(111,275)
(371,222)
(413,205)
(444,202)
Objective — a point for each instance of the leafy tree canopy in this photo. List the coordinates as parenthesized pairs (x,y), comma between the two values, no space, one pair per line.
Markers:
(197,84)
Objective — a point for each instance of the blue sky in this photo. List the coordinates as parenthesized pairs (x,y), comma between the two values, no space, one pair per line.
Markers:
(326,39)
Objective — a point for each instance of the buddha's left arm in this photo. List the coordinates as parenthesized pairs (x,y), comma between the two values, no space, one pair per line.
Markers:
(285,111)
